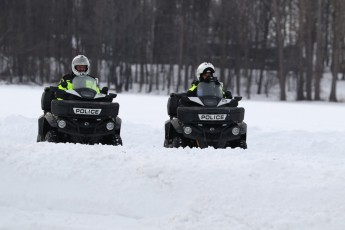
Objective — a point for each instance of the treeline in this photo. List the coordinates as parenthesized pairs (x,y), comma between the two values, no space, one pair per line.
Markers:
(157,44)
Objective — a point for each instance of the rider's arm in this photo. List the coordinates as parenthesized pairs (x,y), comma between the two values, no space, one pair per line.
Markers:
(66,82)
(192,90)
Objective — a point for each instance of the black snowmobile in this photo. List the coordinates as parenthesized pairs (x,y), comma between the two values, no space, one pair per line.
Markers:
(83,116)
(205,120)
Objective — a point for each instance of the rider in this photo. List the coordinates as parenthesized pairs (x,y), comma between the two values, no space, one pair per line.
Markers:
(204,73)
(80,67)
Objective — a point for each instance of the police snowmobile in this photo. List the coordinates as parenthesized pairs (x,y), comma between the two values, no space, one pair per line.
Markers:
(83,116)
(205,120)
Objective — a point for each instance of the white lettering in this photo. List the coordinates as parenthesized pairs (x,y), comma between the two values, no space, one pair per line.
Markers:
(86,111)
(212,117)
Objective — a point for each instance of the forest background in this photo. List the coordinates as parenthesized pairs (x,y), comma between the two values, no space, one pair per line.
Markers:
(155,45)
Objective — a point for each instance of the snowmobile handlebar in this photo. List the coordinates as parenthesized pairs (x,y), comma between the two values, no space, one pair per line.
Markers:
(178,95)
(237,98)
(59,93)
(112,95)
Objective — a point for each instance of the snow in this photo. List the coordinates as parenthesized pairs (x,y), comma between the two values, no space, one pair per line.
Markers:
(292,176)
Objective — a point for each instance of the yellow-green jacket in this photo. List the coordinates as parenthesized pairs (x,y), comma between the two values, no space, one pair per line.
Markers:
(66,83)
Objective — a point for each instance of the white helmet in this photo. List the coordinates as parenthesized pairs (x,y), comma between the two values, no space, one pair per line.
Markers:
(203,68)
(80,60)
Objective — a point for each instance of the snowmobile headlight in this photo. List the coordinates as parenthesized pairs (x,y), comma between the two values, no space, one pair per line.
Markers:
(62,124)
(88,93)
(110,126)
(211,102)
(235,131)
(187,130)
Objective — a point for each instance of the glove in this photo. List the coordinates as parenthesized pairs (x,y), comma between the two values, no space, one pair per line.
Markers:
(105,90)
(228,94)
(195,82)
(63,84)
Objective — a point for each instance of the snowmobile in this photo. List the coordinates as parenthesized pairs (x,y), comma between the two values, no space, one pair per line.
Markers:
(205,120)
(80,115)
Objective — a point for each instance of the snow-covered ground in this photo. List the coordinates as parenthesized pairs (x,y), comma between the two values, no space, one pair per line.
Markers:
(292,176)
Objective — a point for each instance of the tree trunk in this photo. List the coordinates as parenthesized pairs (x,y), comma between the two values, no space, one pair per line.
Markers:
(338,37)
(319,51)
(157,73)
(263,47)
(181,38)
(238,78)
(141,76)
(186,77)
(280,51)
(300,44)
(169,77)
(309,49)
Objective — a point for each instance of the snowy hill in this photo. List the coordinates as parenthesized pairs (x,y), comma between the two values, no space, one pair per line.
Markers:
(292,176)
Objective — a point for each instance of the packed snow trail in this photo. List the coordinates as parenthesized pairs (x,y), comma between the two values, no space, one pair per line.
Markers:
(292,176)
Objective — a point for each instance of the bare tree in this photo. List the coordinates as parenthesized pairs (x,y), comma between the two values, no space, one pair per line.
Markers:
(278,12)
(309,44)
(338,33)
(265,18)
(238,36)
(319,48)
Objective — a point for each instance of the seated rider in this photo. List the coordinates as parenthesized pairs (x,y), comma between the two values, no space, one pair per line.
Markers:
(80,67)
(204,73)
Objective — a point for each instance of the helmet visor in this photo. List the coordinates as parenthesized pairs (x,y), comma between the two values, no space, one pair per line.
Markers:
(81,68)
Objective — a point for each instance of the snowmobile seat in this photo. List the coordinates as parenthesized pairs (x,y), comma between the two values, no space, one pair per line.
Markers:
(173,103)
(172,106)
(47,97)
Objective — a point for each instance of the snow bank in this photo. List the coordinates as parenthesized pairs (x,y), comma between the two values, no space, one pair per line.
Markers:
(291,177)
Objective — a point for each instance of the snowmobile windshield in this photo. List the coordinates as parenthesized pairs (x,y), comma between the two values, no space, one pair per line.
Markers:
(85,82)
(209,89)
